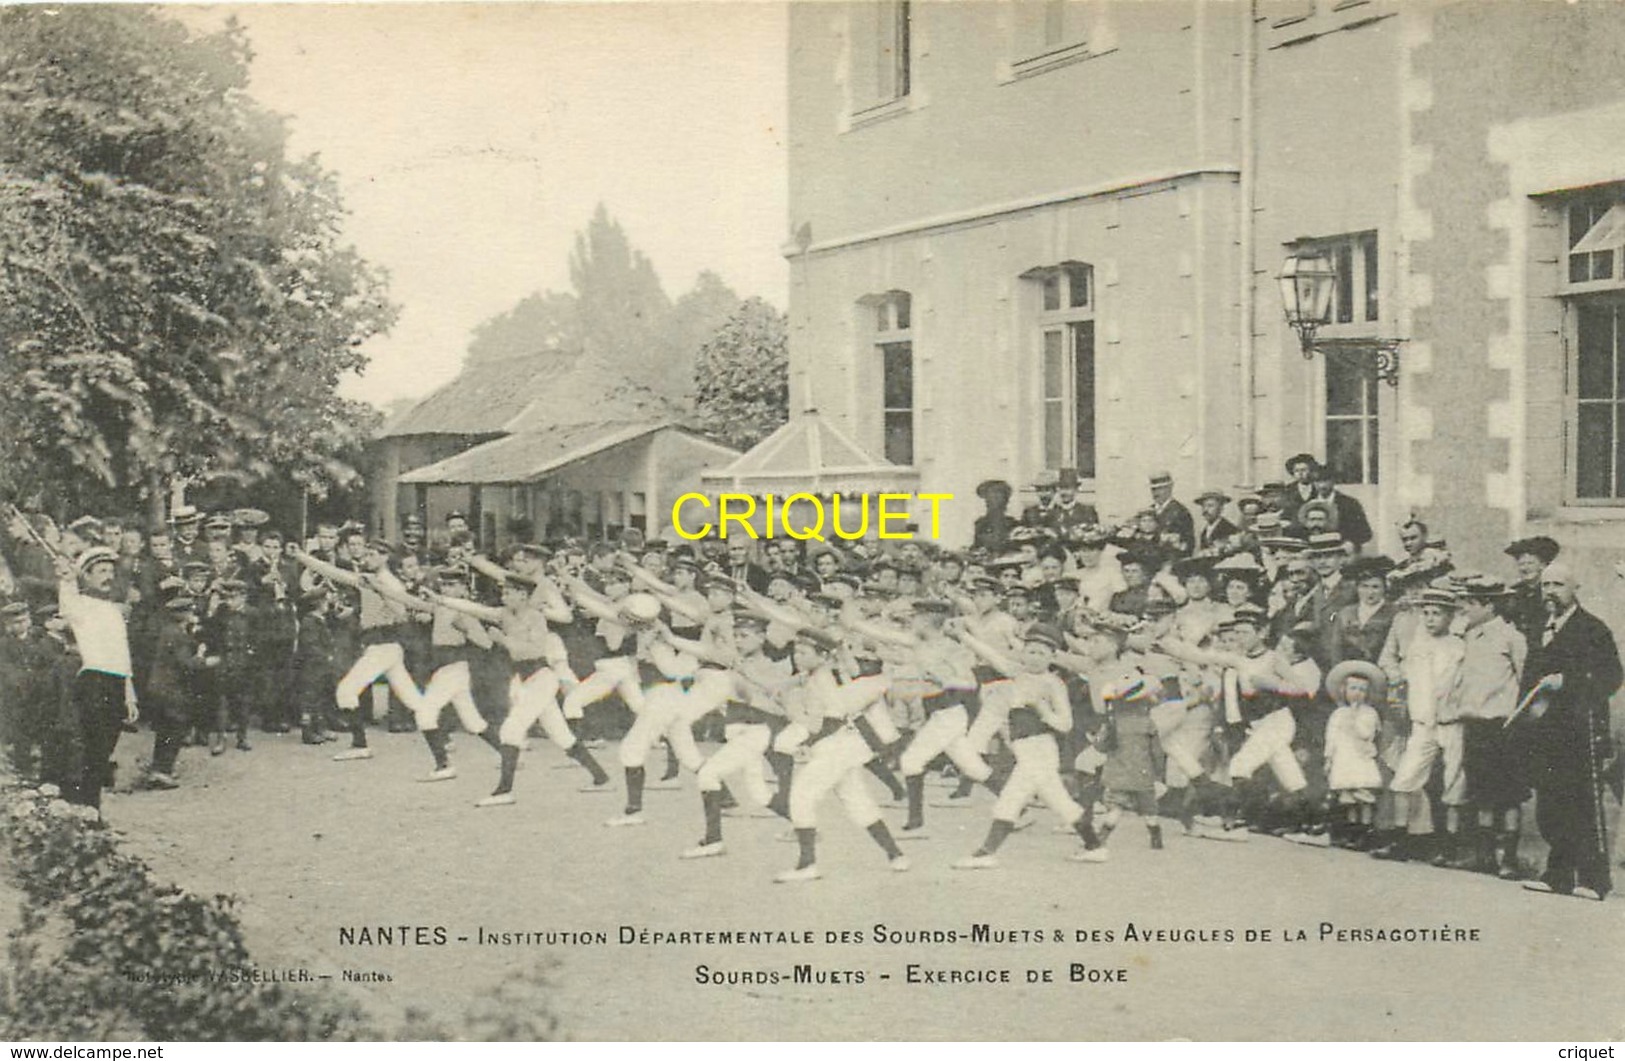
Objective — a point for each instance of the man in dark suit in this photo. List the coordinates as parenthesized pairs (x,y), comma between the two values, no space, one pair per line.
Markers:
(1572,669)
(1300,485)
(1349,517)
(1174,521)
(1214,531)
(1068,516)
(1037,513)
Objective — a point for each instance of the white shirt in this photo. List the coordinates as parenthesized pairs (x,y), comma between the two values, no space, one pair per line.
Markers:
(98,631)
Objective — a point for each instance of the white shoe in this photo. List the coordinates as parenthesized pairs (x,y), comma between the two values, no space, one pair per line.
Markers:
(1582,892)
(1309,839)
(1091,854)
(905,833)
(794,876)
(976,862)
(352,755)
(635,818)
(900,864)
(445,773)
(787,837)
(498,799)
(705,851)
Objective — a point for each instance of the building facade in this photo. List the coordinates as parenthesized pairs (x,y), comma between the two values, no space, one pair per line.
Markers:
(1046,234)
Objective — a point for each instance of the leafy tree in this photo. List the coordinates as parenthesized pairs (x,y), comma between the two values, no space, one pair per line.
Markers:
(615,314)
(545,323)
(742,376)
(173,298)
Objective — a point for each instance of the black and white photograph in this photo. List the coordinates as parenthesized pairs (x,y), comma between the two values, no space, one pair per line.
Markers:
(753,521)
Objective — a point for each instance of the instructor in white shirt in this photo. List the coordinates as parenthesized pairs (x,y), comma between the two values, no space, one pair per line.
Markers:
(103,695)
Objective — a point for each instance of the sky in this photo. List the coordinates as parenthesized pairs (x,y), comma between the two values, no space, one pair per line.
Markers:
(472,141)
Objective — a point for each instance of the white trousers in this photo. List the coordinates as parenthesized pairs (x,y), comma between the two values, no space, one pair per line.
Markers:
(741,758)
(535,699)
(836,764)
(1037,773)
(1269,743)
(945,731)
(662,716)
(1429,742)
(387,661)
(450,685)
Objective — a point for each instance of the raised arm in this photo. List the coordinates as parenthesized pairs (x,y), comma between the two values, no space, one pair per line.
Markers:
(327,570)
(483,612)
(592,602)
(998,660)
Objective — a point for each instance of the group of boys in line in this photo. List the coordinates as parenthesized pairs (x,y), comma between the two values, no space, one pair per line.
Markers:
(1249,668)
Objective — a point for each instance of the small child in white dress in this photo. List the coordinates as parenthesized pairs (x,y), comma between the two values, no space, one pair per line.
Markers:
(1357,688)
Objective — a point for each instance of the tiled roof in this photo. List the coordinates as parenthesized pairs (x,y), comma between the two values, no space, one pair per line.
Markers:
(526,394)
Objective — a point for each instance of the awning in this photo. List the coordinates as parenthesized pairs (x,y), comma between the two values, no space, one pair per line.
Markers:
(810,454)
(528,456)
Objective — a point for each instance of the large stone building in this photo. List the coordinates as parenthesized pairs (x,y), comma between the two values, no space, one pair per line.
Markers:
(1047,234)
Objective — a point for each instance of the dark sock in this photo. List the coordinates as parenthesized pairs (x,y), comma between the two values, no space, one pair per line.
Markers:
(489,736)
(887,778)
(883,837)
(358,729)
(1085,828)
(713,816)
(783,768)
(671,764)
(807,839)
(436,741)
(581,754)
(995,836)
(634,789)
(1001,774)
(510,764)
(916,801)
(1155,832)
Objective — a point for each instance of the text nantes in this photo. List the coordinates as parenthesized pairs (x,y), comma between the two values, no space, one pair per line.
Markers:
(892,515)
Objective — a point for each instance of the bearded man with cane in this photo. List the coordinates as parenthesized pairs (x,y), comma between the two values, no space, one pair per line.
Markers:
(1570,674)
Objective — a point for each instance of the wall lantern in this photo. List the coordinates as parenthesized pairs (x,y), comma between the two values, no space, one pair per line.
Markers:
(1307,282)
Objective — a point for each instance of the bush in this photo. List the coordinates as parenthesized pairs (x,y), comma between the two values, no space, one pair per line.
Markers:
(104,952)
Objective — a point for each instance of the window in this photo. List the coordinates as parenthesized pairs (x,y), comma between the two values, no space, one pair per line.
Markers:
(1049,25)
(1594,317)
(1351,419)
(1596,232)
(894,346)
(1066,318)
(1048,34)
(1598,402)
(880,53)
(1351,423)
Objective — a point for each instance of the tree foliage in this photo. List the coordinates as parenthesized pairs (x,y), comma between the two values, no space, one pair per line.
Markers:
(616,314)
(174,300)
(742,376)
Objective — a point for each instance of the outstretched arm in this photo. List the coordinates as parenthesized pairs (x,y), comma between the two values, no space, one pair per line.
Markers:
(328,571)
